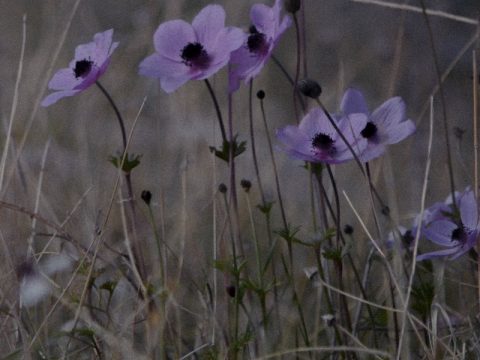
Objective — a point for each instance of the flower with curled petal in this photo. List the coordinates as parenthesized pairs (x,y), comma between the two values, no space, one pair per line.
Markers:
(90,62)
(316,140)
(186,52)
(455,230)
(386,125)
(264,34)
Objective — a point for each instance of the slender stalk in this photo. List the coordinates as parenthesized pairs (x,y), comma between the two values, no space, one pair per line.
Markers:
(136,249)
(274,164)
(297,69)
(252,141)
(217,110)
(443,102)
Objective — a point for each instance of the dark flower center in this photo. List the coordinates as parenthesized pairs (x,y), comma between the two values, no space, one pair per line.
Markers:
(408,238)
(193,54)
(459,234)
(83,68)
(256,40)
(369,130)
(322,141)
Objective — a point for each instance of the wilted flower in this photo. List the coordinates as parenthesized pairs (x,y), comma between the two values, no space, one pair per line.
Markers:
(191,52)
(316,140)
(386,125)
(90,62)
(457,231)
(264,33)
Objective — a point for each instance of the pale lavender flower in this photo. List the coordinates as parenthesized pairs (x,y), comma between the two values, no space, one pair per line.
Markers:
(264,34)
(316,140)
(90,62)
(386,125)
(456,232)
(186,52)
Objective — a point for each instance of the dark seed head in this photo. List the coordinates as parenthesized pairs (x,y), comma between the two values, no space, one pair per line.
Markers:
(408,238)
(193,54)
(348,229)
(246,184)
(310,88)
(222,188)
(146,196)
(261,94)
(230,290)
(83,68)
(322,141)
(370,130)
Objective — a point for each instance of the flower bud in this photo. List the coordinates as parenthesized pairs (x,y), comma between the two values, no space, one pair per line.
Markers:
(309,88)
(246,185)
(146,196)
(222,188)
(231,290)
(261,94)
(348,229)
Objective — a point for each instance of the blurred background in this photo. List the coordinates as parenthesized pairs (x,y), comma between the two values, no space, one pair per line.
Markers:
(384,52)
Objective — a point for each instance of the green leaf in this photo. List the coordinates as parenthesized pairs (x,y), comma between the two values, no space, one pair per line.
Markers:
(224,152)
(131,161)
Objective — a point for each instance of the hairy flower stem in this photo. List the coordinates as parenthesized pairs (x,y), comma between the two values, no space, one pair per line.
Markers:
(217,110)
(136,248)
(443,102)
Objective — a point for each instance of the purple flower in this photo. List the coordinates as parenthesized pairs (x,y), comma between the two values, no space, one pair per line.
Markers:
(90,62)
(316,140)
(456,232)
(191,52)
(264,33)
(386,125)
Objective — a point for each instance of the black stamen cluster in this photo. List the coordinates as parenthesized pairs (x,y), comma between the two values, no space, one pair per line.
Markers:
(194,54)
(82,68)
(370,130)
(322,141)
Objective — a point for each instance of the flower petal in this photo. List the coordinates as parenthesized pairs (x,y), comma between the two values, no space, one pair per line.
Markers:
(400,132)
(469,210)
(159,66)
(292,138)
(440,232)
(353,102)
(435,254)
(314,122)
(209,22)
(171,37)
(390,113)
(54,97)
(264,19)
(64,79)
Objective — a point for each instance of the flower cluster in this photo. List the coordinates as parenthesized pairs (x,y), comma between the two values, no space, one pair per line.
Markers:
(316,140)
(452,226)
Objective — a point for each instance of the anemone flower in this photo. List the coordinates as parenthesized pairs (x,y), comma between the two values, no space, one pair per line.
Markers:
(90,62)
(191,52)
(264,34)
(386,125)
(316,140)
(457,232)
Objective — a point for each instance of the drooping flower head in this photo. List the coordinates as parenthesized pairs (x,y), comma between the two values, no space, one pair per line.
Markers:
(386,125)
(186,52)
(457,231)
(316,140)
(264,34)
(90,62)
